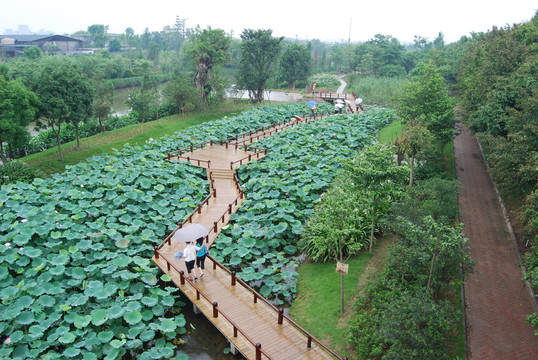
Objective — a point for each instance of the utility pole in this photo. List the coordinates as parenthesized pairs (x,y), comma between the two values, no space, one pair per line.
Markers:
(349,36)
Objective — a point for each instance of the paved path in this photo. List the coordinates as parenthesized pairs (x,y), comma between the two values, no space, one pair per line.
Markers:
(497,300)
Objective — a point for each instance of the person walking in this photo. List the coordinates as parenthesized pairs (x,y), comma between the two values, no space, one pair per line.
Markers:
(190,257)
(201,255)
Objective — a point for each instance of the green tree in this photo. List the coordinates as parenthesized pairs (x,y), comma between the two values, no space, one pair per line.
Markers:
(65,94)
(114,45)
(33,52)
(98,34)
(416,139)
(259,51)
(209,48)
(296,64)
(426,97)
(375,173)
(180,90)
(103,100)
(415,327)
(18,107)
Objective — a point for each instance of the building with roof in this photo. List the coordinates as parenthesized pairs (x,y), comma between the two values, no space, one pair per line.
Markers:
(14,45)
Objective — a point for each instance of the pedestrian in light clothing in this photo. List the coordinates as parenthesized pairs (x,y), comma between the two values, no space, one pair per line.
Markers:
(201,255)
(190,256)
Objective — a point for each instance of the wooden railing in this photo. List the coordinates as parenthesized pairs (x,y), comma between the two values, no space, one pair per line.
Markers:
(329,95)
(248,136)
(234,279)
(216,310)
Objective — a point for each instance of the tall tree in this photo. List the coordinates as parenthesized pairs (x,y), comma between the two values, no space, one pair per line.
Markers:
(259,50)
(375,173)
(65,94)
(98,34)
(296,64)
(18,106)
(209,48)
(426,97)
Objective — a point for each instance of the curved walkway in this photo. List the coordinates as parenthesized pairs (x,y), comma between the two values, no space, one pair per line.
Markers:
(253,326)
(497,300)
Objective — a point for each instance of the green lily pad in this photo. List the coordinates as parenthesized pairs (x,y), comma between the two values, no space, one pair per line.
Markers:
(132,317)
(99,316)
(168,325)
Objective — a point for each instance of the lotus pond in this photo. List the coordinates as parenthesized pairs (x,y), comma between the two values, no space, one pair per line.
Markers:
(76,276)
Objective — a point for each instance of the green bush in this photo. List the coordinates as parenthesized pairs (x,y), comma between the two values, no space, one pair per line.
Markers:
(15,171)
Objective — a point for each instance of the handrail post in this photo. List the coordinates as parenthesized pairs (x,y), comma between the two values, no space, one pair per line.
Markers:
(309,342)
(230,209)
(168,265)
(182,277)
(168,156)
(215,309)
(156,252)
(255,298)
(215,226)
(233,278)
(258,351)
(280,316)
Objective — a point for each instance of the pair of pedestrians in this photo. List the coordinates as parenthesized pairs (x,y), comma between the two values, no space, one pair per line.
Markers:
(195,253)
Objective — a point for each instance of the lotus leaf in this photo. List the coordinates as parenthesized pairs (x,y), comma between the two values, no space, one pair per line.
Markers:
(89,355)
(115,311)
(71,352)
(24,301)
(248,242)
(77,300)
(241,251)
(58,270)
(134,344)
(166,278)
(67,338)
(105,336)
(99,316)
(168,325)
(265,291)
(25,318)
(35,331)
(16,336)
(117,343)
(235,261)
(20,351)
(132,317)
(32,252)
(149,301)
(158,310)
(168,300)
(60,259)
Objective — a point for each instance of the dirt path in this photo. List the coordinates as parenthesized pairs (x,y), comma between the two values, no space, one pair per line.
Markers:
(497,300)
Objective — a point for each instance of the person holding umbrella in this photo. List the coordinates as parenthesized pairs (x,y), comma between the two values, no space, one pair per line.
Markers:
(312,106)
(190,256)
(188,234)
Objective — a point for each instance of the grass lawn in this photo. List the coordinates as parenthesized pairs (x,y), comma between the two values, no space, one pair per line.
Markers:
(317,307)
(49,162)
(390,133)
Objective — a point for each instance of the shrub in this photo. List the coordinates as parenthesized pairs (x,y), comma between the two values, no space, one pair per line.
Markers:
(15,171)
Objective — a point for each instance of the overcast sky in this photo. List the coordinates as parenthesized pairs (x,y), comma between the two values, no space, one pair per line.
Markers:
(313,19)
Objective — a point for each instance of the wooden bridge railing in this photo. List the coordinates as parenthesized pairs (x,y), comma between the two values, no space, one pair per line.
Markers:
(234,280)
(330,95)
(247,136)
(198,210)
(216,310)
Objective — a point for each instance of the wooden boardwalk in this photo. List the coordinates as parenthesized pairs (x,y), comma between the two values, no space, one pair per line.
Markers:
(254,326)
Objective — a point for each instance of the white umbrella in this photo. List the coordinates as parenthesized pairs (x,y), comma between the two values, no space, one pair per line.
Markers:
(338,106)
(358,101)
(190,233)
(339,101)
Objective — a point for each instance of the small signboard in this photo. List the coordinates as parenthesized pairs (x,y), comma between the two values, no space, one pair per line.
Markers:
(342,268)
